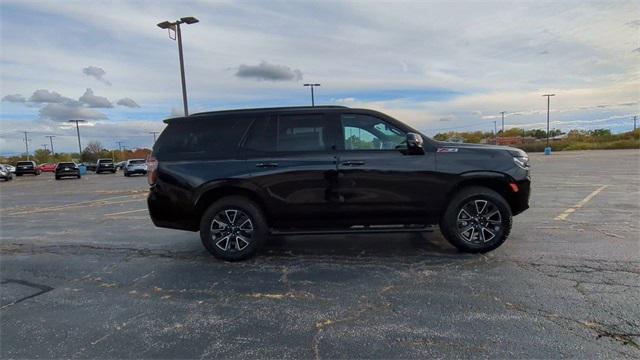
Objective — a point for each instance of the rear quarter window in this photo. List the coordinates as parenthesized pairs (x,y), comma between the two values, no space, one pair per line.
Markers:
(201,138)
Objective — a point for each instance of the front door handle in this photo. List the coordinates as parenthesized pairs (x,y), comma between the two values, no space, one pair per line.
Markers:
(267,165)
(352,163)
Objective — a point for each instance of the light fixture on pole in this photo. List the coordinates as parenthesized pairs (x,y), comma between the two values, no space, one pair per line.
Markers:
(78,132)
(547,150)
(175,26)
(313,103)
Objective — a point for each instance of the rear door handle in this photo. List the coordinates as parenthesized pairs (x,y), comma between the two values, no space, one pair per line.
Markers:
(267,165)
(353,163)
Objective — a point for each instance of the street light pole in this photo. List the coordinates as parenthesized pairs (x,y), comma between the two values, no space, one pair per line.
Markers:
(51,142)
(313,103)
(634,123)
(175,26)
(547,150)
(502,112)
(78,132)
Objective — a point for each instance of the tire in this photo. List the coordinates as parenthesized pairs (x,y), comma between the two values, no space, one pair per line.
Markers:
(57,177)
(481,225)
(113,171)
(79,176)
(126,174)
(236,248)
(18,174)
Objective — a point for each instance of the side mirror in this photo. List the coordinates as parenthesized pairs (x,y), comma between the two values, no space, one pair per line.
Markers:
(415,144)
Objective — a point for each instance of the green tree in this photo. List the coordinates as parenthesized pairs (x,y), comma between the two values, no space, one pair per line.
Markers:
(41,156)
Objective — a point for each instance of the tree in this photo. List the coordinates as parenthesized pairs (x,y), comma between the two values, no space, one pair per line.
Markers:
(92,152)
(600,132)
(41,156)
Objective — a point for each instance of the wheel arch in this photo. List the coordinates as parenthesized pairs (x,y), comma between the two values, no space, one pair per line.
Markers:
(495,181)
(213,192)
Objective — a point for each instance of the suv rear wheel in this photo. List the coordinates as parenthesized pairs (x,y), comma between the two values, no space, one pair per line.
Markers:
(477,220)
(233,228)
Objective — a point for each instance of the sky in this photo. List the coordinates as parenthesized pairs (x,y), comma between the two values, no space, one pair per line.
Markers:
(436,65)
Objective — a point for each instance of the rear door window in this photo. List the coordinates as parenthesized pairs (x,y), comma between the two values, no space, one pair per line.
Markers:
(201,138)
(289,133)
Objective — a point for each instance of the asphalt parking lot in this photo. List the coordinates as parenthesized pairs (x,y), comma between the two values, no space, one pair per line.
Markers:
(85,274)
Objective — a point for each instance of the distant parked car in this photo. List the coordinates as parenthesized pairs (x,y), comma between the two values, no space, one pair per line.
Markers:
(47,167)
(105,165)
(11,168)
(27,167)
(135,166)
(5,173)
(66,169)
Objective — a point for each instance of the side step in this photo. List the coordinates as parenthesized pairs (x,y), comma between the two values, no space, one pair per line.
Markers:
(357,229)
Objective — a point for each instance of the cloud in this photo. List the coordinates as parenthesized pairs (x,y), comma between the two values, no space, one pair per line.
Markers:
(175,112)
(46,96)
(17,98)
(69,111)
(95,101)
(128,102)
(266,71)
(96,72)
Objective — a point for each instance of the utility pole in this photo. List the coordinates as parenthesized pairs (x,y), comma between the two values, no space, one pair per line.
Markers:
(45,147)
(502,112)
(634,122)
(547,150)
(154,135)
(495,132)
(78,132)
(51,142)
(175,26)
(119,145)
(26,143)
(313,103)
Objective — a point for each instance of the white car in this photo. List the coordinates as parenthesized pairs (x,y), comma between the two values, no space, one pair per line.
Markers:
(135,166)
(11,168)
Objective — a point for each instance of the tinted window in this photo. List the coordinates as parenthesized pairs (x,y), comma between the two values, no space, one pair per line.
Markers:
(19,163)
(105,161)
(133,162)
(66,164)
(203,137)
(289,133)
(364,132)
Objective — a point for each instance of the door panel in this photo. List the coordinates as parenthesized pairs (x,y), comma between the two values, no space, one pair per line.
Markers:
(293,162)
(378,182)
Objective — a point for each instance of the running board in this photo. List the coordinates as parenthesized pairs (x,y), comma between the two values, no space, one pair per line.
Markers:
(355,230)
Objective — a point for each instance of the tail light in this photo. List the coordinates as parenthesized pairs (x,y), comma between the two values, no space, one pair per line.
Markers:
(152,169)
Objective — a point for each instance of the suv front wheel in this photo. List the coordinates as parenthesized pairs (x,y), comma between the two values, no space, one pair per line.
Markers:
(233,228)
(477,220)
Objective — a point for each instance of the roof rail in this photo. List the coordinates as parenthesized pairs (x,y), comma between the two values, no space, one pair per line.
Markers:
(216,112)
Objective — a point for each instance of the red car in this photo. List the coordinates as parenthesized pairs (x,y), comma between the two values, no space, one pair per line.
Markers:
(47,167)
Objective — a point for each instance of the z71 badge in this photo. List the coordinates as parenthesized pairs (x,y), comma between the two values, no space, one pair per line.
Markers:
(447,150)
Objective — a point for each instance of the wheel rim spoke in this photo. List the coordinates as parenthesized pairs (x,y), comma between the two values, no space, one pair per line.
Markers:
(479,221)
(226,235)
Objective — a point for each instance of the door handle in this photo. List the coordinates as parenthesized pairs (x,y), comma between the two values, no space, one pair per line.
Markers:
(267,165)
(352,163)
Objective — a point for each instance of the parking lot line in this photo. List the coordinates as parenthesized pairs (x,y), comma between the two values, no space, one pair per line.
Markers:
(571,210)
(89,203)
(125,212)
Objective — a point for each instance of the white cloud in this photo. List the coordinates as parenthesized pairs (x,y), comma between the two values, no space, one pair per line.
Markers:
(46,96)
(266,71)
(96,72)
(94,101)
(128,102)
(16,98)
(64,112)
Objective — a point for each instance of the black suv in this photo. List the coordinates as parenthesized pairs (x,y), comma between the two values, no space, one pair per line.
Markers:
(238,176)
(67,169)
(105,165)
(27,167)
